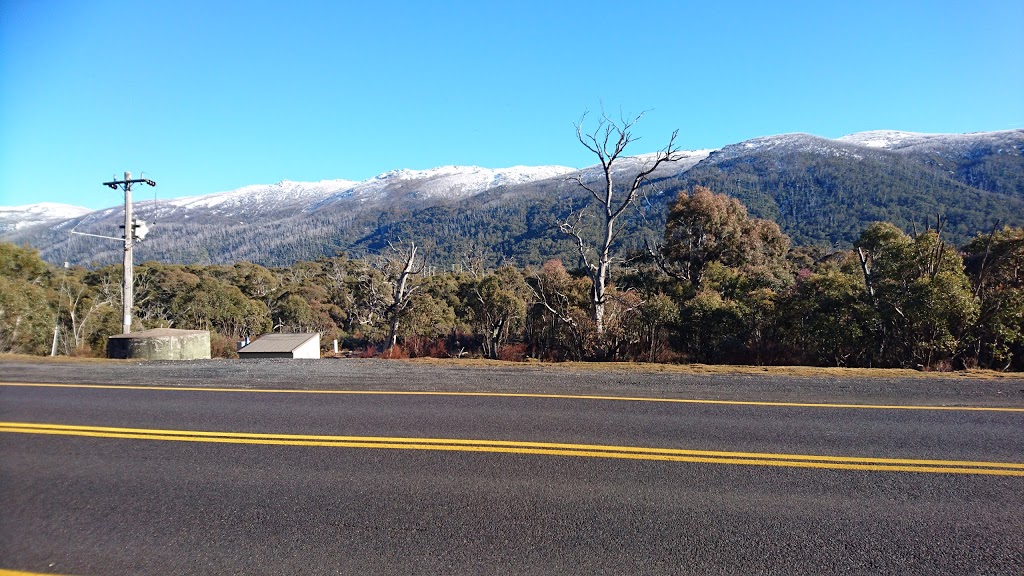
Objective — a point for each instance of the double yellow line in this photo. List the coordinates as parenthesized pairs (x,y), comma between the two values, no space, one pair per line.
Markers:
(538,448)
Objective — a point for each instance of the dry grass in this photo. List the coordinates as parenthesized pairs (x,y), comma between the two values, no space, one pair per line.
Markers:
(804,371)
(54,359)
(634,367)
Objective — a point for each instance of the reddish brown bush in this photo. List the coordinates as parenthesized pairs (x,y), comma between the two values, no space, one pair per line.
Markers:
(512,352)
(396,352)
(424,347)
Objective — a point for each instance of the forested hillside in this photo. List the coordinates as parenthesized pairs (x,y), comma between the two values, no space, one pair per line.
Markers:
(825,192)
(720,285)
(821,192)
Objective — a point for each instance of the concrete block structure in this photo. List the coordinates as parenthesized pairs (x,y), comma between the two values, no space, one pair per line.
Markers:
(300,345)
(160,344)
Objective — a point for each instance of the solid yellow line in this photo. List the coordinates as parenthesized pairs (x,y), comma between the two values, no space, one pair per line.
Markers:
(522,395)
(538,448)
(20,573)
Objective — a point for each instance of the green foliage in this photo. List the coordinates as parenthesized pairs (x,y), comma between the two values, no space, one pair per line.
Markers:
(26,317)
(729,268)
(895,300)
(22,263)
(711,326)
(428,316)
(824,316)
(996,266)
(496,306)
(705,228)
(921,297)
(89,306)
(27,298)
(558,324)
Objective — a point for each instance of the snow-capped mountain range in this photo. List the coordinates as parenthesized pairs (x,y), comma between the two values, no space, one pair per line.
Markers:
(444,183)
(248,222)
(452,183)
(861,143)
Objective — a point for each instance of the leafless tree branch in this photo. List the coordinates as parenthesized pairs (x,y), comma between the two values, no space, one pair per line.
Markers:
(608,140)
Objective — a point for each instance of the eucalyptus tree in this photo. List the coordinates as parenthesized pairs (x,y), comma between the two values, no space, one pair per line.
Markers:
(497,306)
(730,269)
(995,263)
(558,323)
(703,228)
(921,296)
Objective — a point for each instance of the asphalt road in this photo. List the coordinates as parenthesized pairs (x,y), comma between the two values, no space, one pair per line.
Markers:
(115,480)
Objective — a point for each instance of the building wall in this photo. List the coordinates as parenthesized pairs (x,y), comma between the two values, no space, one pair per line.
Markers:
(311,349)
(189,345)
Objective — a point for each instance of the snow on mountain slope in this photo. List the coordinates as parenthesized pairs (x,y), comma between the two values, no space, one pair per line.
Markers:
(18,217)
(453,182)
(789,143)
(887,139)
(628,166)
(445,182)
(267,195)
(862,144)
(896,140)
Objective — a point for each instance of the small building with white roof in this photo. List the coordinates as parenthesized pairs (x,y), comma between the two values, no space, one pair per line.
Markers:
(300,345)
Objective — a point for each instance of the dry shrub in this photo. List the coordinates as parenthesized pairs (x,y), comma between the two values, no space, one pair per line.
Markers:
(432,348)
(367,352)
(512,352)
(396,352)
(84,351)
(438,349)
(415,346)
(424,347)
(222,346)
(938,366)
(668,356)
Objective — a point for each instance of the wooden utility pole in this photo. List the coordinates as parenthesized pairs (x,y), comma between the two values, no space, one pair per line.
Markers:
(127,295)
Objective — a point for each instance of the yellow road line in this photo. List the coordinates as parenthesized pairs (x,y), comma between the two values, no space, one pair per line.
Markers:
(537,448)
(20,573)
(522,395)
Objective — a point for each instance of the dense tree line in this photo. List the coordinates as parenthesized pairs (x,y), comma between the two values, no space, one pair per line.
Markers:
(719,287)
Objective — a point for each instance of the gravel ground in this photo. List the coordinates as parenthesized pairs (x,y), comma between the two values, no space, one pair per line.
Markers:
(468,376)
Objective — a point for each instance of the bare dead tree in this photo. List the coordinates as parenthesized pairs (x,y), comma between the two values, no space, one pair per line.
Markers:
(865,266)
(608,141)
(404,265)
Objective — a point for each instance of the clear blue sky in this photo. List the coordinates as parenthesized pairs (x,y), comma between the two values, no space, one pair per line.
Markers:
(208,96)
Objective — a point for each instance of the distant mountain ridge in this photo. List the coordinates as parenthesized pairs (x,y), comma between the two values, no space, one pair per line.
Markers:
(18,217)
(820,190)
(825,191)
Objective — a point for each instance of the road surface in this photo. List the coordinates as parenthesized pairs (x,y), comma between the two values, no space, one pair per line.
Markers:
(420,473)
